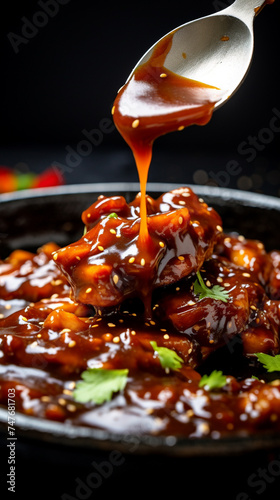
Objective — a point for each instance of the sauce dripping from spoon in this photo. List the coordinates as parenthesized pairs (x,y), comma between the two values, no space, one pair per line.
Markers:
(153,102)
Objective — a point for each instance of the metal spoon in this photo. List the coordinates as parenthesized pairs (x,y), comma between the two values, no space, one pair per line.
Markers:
(216,49)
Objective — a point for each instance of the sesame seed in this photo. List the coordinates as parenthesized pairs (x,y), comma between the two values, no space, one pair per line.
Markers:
(149,411)
(181,202)
(163,75)
(45,399)
(100,248)
(113,231)
(133,332)
(181,127)
(143,262)
(190,413)
(190,303)
(177,288)
(180,220)
(56,282)
(131,260)
(219,279)
(88,290)
(115,279)
(24,318)
(88,215)
(62,401)
(161,244)
(116,340)
(8,306)
(65,330)
(1,315)
(71,408)
(72,343)
(186,195)
(55,255)
(78,258)
(204,427)
(246,275)
(219,228)
(135,123)
(226,284)
(152,322)
(181,257)
(208,283)
(111,325)
(166,336)
(71,385)
(67,392)
(113,110)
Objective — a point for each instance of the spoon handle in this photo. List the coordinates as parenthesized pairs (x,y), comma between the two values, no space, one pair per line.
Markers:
(247,9)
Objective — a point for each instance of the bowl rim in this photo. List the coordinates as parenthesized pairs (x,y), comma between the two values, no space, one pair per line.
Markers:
(249,197)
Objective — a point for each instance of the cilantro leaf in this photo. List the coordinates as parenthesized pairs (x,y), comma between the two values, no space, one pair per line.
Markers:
(216,380)
(216,292)
(98,385)
(271,363)
(168,358)
(112,215)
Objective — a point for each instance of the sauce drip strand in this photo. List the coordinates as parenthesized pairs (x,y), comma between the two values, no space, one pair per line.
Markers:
(156,101)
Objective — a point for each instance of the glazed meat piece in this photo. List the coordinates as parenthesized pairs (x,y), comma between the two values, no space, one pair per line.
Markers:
(31,276)
(246,253)
(262,333)
(273,286)
(109,263)
(61,334)
(213,323)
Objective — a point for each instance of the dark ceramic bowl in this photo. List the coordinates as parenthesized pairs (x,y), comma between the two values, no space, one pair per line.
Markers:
(30,218)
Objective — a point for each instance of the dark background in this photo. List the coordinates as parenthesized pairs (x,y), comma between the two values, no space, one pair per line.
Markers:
(63,81)
(64,78)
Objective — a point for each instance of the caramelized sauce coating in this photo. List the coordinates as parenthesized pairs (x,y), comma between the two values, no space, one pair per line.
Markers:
(48,342)
(31,276)
(212,323)
(249,254)
(108,265)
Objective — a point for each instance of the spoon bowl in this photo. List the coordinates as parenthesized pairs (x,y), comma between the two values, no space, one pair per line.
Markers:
(216,49)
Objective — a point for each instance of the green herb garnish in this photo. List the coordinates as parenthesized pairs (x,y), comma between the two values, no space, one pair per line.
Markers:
(113,215)
(98,385)
(216,292)
(270,363)
(216,380)
(168,358)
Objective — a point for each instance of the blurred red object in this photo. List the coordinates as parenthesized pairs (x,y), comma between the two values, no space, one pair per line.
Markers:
(12,180)
(50,177)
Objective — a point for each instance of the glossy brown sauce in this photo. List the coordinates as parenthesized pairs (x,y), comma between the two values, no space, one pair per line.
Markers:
(156,101)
